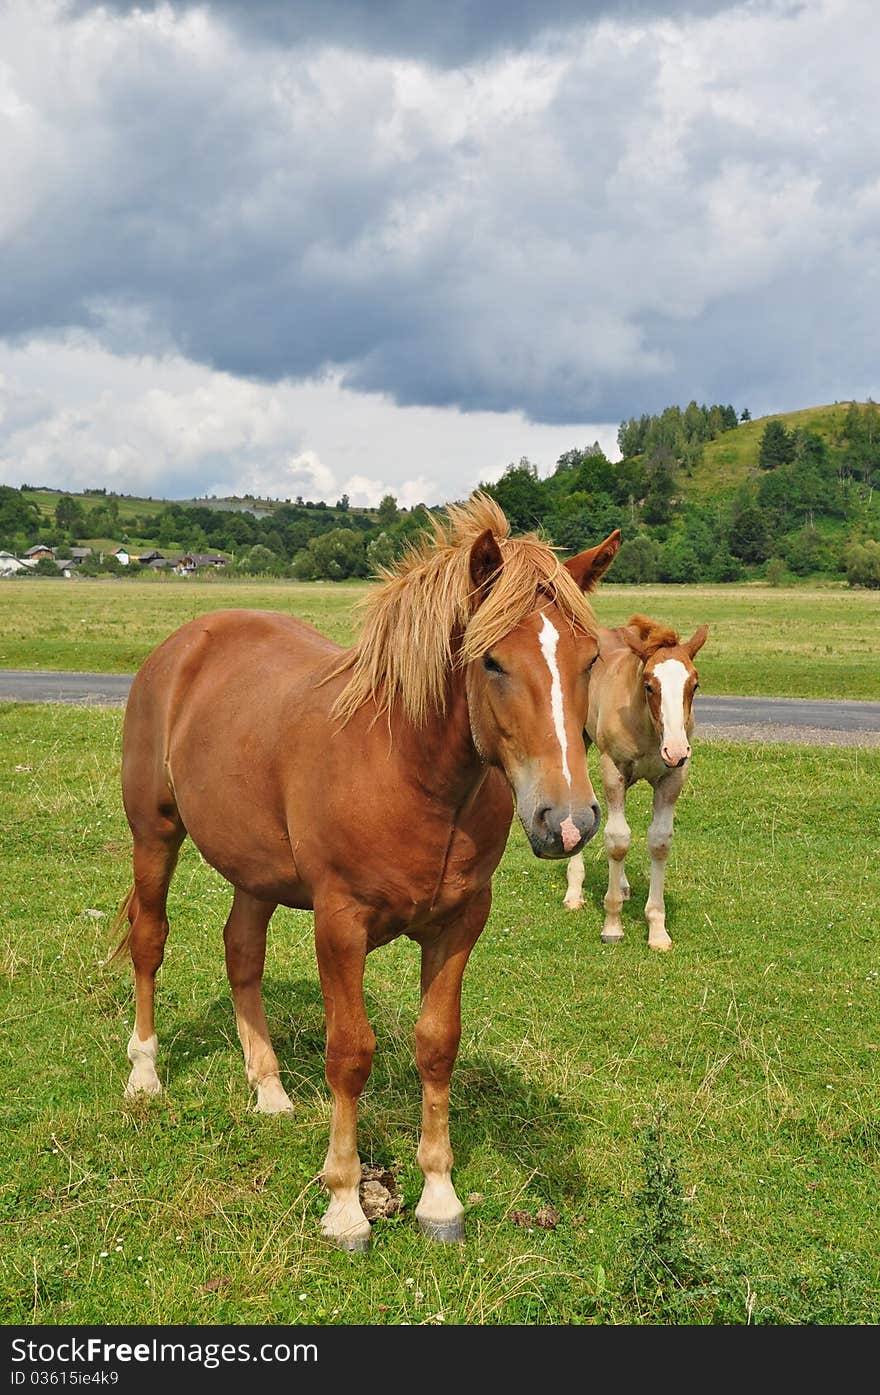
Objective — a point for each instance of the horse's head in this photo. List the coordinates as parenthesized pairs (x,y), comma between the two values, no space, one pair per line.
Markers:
(527,699)
(670,680)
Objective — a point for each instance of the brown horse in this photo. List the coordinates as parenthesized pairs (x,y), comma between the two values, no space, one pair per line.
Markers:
(372,786)
(641,719)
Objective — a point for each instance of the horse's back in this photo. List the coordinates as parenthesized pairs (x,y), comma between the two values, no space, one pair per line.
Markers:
(208,725)
(231,650)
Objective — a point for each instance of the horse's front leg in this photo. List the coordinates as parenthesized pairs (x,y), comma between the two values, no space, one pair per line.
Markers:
(617,841)
(666,792)
(341,947)
(438,1031)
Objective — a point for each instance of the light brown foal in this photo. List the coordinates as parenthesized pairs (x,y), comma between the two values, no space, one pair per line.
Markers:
(641,720)
(375,787)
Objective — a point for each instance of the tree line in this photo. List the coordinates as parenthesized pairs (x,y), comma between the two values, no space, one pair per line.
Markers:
(808,509)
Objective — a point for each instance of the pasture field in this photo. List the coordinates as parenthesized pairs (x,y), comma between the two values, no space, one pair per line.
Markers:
(811,642)
(703,1123)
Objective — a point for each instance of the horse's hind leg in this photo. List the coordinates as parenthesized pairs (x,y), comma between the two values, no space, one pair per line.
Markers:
(245,940)
(155,858)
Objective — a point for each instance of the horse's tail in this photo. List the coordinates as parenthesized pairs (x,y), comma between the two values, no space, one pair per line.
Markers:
(120,920)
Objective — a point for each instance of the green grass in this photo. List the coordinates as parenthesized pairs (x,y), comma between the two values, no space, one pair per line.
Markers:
(800,642)
(704,1122)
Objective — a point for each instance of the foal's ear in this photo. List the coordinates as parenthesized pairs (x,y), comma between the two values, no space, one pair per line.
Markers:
(589,567)
(696,641)
(635,642)
(486,560)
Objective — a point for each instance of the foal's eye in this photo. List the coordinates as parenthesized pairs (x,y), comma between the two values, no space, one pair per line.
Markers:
(649,687)
(492,665)
(696,686)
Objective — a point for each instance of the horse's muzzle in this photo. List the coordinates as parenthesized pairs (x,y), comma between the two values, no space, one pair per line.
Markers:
(556,831)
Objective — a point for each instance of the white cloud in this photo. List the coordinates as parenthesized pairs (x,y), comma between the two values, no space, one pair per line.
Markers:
(74,415)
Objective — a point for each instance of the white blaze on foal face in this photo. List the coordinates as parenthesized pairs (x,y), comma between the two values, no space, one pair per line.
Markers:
(671,676)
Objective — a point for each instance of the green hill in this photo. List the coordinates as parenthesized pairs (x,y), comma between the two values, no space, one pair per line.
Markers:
(732,459)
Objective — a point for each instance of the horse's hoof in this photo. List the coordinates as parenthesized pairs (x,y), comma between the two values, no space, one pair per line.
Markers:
(577,905)
(272,1098)
(443,1232)
(353,1244)
(142,1089)
(612,937)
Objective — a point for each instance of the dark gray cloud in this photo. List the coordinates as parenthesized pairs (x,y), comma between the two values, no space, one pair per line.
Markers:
(446,32)
(579,232)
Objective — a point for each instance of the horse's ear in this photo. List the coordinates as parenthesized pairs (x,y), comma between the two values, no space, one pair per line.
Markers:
(486,560)
(589,567)
(696,641)
(635,642)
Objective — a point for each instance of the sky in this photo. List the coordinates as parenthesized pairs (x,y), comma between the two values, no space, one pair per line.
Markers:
(314,247)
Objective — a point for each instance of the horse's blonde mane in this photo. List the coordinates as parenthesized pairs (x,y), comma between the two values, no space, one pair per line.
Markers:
(427,616)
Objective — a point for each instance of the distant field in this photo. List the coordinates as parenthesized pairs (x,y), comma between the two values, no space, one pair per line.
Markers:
(799,642)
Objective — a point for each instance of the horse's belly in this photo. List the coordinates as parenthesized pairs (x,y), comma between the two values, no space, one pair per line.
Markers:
(246,845)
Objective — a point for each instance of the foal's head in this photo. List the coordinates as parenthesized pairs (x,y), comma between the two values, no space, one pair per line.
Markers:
(669,679)
(528,690)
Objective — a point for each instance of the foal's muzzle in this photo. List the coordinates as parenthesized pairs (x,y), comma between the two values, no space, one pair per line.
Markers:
(558,831)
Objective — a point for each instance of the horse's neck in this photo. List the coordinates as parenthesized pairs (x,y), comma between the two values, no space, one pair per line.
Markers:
(441,754)
(619,722)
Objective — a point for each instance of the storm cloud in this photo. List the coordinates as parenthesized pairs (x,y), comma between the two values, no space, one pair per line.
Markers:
(569,212)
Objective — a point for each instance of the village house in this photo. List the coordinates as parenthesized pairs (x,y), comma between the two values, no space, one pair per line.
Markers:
(10,564)
(193,561)
(39,550)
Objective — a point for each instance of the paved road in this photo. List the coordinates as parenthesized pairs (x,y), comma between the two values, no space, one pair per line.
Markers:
(789,719)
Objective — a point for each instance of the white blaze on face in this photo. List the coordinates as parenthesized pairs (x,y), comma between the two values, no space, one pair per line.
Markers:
(672,675)
(549,638)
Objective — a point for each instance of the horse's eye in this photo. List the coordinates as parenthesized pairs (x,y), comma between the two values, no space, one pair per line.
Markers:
(696,686)
(492,665)
(649,687)
(592,661)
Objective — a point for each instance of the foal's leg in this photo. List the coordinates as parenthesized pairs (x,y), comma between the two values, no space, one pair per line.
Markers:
(155,857)
(341,947)
(574,875)
(245,940)
(617,840)
(574,883)
(438,1031)
(666,792)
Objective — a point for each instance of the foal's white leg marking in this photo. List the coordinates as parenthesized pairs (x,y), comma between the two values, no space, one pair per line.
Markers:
(549,639)
(143,1079)
(666,793)
(617,840)
(574,892)
(672,675)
